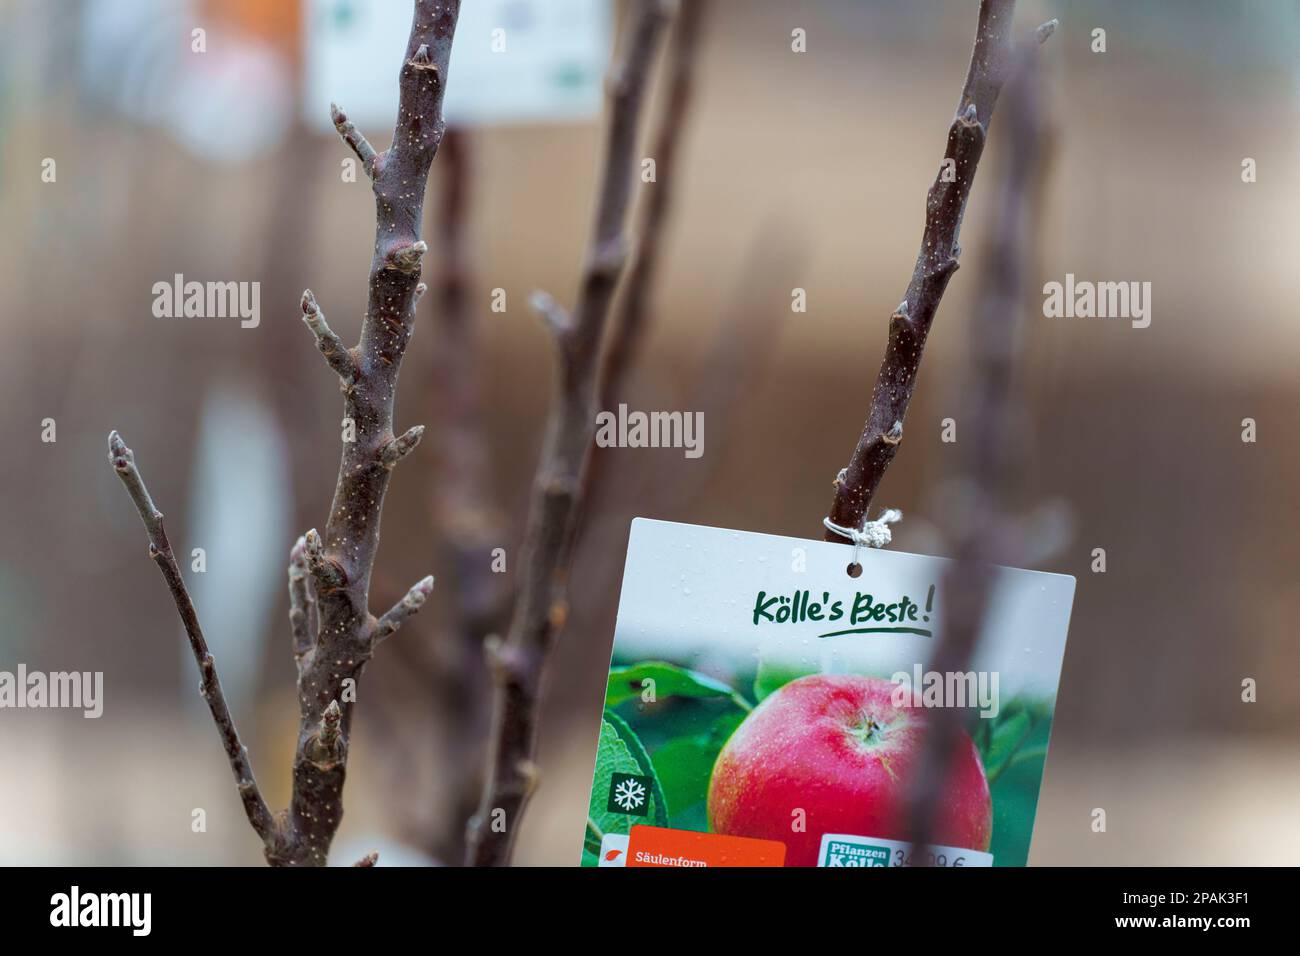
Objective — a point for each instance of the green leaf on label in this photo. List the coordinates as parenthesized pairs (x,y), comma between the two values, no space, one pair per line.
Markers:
(612,756)
(591,839)
(1006,739)
(685,765)
(774,674)
(1015,796)
(658,805)
(625,683)
(1019,726)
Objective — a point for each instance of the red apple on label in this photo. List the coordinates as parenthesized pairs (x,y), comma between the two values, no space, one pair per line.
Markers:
(837,747)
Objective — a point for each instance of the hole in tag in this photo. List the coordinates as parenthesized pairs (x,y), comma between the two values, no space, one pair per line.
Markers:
(855,570)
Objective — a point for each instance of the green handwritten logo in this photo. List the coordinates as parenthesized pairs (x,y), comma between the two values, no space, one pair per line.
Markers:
(866,614)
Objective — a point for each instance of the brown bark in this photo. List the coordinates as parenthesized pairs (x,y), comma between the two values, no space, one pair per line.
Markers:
(540,610)
(991,429)
(334,632)
(909,325)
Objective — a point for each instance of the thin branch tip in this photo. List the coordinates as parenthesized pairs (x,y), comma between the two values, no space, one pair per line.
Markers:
(401,446)
(337,355)
(121,457)
(559,482)
(556,316)
(255,808)
(404,609)
(356,141)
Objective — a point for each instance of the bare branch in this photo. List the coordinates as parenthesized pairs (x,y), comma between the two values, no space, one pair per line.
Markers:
(995,348)
(741,347)
(353,137)
(342,560)
(466,518)
(160,550)
(547,550)
(331,346)
(632,317)
(334,634)
(407,607)
(935,264)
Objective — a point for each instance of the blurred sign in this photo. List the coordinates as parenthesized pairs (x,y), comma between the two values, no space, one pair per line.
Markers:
(217,78)
(539,61)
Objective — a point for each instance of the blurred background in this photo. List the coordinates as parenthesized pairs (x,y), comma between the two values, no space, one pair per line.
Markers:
(793,170)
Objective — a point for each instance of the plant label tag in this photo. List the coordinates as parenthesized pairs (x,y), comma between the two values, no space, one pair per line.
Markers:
(758,691)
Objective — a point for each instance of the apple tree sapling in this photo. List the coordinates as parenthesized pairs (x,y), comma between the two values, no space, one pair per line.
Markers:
(334,631)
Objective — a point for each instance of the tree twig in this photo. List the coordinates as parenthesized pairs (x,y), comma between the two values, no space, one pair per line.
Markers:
(341,563)
(160,550)
(740,350)
(540,609)
(404,609)
(992,429)
(909,325)
(334,631)
(628,327)
(466,520)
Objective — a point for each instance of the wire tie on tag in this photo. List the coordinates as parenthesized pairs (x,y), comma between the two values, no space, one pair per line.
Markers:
(872,534)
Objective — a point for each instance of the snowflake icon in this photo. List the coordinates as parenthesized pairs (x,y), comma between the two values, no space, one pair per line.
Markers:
(629,793)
